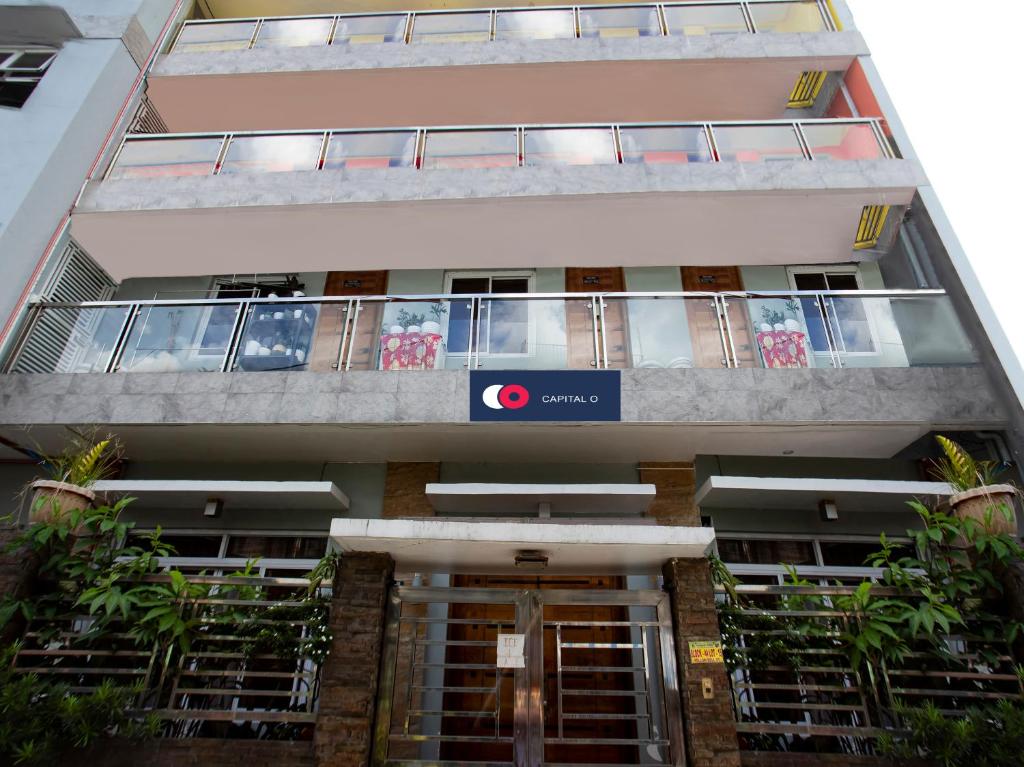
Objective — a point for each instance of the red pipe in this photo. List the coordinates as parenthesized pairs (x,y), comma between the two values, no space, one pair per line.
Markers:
(48,250)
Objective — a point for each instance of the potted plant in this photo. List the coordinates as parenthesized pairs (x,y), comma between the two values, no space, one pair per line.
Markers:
(976,494)
(72,473)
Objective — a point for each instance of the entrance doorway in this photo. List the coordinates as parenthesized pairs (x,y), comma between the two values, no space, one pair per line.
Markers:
(597,684)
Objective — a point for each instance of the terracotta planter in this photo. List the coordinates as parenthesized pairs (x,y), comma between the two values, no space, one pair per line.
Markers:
(974,504)
(52,498)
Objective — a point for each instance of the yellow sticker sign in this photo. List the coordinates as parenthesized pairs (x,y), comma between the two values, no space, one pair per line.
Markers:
(706,652)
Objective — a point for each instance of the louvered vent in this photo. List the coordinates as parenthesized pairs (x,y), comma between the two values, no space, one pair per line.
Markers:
(147,119)
(77,278)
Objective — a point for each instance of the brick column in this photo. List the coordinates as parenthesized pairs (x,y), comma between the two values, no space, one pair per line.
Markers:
(709,724)
(676,484)
(348,685)
(405,489)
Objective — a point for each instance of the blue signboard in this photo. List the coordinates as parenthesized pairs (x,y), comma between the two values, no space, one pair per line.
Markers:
(535,395)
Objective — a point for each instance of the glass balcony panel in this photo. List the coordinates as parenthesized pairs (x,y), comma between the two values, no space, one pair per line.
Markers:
(657,146)
(278,337)
(221,36)
(535,334)
(293,33)
(155,158)
(471,149)
(789,16)
(569,146)
(71,340)
(661,332)
(553,24)
(842,141)
(172,339)
(929,329)
(757,143)
(382,149)
(786,332)
(619,22)
(473,27)
(412,335)
(354,30)
(272,154)
(704,19)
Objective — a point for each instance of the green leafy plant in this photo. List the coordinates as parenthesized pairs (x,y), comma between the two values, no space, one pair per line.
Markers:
(960,469)
(85,461)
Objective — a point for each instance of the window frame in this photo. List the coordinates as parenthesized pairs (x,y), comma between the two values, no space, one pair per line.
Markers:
(11,73)
(846,270)
(490,275)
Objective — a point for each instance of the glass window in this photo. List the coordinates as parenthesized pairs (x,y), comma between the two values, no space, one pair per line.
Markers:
(657,146)
(293,33)
(170,339)
(381,149)
(471,149)
(704,19)
(20,73)
(766,552)
(757,143)
(474,27)
(272,154)
(155,158)
(850,554)
(277,337)
(354,30)
(845,141)
(619,22)
(534,25)
(847,315)
(789,16)
(216,36)
(276,547)
(194,545)
(569,146)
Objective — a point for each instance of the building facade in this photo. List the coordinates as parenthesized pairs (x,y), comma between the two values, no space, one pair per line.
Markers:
(527,311)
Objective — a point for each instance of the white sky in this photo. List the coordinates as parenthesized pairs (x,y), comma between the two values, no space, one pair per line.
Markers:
(950,68)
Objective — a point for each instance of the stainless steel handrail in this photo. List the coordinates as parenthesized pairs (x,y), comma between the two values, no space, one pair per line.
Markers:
(114,349)
(803,148)
(743,5)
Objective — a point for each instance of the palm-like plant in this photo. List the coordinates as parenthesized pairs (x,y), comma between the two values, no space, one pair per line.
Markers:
(960,469)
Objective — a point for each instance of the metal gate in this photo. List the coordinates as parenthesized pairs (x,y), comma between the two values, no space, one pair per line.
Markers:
(597,685)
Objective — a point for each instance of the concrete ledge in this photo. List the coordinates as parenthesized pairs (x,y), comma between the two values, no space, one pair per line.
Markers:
(484,547)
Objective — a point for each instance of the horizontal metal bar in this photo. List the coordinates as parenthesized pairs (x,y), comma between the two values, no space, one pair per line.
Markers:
(602,645)
(799,728)
(771,704)
(441,11)
(607,741)
(441,688)
(580,716)
(464,714)
(240,692)
(235,715)
(452,738)
(603,669)
(605,693)
(746,587)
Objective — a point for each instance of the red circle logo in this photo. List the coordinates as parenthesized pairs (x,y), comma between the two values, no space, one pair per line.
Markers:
(513,396)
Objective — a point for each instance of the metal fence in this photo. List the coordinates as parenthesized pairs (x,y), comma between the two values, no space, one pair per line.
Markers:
(465,147)
(250,670)
(481,25)
(794,688)
(506,331)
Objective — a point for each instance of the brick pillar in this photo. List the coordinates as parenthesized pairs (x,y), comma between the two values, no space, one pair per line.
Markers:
(676,484)
(348,685)
(404,489)
(709,724)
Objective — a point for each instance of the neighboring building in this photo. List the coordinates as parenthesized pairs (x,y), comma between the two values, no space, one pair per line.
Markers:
(543,305)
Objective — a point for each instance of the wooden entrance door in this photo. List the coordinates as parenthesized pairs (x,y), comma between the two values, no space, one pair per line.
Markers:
(703,316)
(326,350)
(579,324)
(588,625)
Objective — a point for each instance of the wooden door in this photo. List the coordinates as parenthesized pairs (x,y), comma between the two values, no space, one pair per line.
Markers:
(608,706)
(703,316)
(579,326)
(326,349)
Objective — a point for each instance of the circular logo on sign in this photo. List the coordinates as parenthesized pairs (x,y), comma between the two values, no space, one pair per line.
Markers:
(505,396)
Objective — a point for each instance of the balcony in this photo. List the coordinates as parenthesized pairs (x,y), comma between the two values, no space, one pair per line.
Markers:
(841,374)
(415,198)
(731,59)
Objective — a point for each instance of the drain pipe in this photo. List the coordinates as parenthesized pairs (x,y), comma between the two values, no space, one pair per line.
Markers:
(140,80)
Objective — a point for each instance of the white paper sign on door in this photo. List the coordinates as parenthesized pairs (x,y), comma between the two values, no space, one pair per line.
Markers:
(510,650)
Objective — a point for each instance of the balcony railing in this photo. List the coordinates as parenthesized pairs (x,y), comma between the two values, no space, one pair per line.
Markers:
(537,331)
(205,154)
(713,17)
